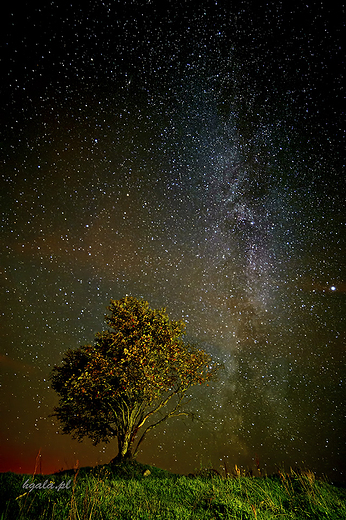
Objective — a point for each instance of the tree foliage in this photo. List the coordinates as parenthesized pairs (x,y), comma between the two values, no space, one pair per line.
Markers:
(135,376)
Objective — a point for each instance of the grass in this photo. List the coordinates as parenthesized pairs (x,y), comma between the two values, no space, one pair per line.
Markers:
(129,491)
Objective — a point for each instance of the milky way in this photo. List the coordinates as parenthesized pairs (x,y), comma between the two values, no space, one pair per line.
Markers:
(193,157)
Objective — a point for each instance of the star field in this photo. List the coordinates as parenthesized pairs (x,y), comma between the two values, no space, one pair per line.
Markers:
(192,156)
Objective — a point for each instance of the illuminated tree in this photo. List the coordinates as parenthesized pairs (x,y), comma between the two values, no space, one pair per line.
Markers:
(134,377)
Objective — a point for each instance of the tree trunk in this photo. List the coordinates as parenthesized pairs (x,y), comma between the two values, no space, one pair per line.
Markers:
(122,458)
(125,443)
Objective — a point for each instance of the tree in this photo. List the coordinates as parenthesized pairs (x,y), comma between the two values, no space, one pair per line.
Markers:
(134,377)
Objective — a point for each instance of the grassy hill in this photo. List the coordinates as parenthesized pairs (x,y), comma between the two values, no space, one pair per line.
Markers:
(134,491)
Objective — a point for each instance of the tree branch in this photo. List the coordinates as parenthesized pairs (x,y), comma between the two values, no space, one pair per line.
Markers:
(170,414)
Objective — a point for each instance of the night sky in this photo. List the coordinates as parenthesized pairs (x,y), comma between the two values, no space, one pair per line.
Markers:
(191,155)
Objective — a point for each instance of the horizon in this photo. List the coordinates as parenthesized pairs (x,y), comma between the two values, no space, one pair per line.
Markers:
(224,471)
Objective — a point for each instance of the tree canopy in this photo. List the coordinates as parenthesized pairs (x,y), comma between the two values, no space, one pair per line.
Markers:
(134,377)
